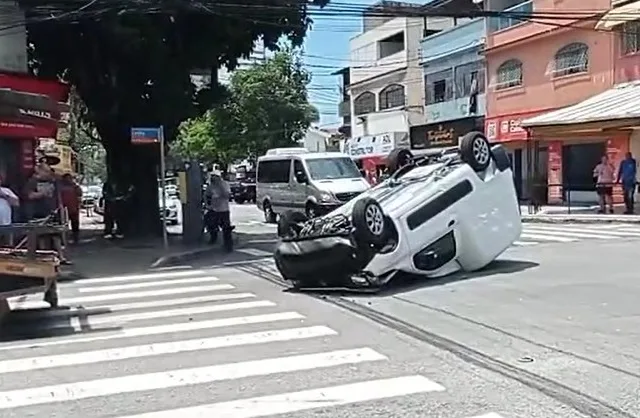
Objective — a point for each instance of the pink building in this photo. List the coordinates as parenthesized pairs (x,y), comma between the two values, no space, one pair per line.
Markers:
(535,67)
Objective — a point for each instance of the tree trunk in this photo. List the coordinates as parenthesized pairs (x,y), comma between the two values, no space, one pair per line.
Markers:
(137,166)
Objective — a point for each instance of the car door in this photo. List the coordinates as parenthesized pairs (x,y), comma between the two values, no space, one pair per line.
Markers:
(298,190)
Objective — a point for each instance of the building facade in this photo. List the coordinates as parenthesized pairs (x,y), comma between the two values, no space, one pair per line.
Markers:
(454,85)
(534,67)
(344,107)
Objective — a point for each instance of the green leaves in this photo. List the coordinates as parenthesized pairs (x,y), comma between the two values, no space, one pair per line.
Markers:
(268,107)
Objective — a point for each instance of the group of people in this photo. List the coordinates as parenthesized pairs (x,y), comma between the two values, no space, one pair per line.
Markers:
(48,197)
(606,177)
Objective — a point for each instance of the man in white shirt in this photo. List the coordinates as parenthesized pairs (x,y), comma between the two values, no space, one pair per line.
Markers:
(8,200)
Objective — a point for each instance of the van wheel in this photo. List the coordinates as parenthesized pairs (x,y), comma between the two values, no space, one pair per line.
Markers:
(311,210)
(475,150)
(269,215)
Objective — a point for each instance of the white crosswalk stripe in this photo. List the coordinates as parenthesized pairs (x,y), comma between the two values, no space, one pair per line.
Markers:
(535,233)
(130,330)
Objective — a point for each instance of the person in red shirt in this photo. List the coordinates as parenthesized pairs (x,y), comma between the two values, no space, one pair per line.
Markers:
(71,196)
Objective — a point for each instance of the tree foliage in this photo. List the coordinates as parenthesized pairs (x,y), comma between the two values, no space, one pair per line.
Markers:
(131,65)
(268,107)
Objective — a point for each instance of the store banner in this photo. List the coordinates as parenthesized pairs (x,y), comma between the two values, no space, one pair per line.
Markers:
(507,128)
(370,145)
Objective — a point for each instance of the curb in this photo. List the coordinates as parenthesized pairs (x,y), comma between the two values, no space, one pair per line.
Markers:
(577,219)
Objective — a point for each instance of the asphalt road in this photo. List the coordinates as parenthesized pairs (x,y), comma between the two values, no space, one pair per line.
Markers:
(548,331)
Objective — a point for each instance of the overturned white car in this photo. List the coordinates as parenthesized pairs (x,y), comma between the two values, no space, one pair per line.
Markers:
(432,218)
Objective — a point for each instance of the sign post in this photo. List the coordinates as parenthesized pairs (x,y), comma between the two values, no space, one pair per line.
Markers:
(141,136)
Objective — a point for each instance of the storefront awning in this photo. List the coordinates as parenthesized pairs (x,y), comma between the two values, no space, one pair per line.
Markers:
(618,107)
(619,16)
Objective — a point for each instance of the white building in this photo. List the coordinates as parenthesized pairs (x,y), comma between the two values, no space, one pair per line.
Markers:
(386,86)
(258,56)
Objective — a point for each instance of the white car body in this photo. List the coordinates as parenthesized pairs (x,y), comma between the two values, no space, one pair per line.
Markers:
(484,222)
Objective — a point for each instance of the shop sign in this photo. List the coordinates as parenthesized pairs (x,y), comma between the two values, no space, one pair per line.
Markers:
(440,137)
(507,128)
(370,145)
(36,113)
(445,134)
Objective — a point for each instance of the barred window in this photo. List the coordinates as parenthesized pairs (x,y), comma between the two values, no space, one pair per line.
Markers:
(364,103)
(509,74)
(571,59)
(630,36)
(392,96)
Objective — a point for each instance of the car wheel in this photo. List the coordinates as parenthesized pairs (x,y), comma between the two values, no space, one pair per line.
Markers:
(398,158)
(369,223)
(239,200)
(269,215)
(289,223)
(475,150)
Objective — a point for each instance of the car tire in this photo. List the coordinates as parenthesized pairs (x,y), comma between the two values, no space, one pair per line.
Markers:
(475,150)
(369,223)
(270,216)
(288,221)
(398,158)
(239,201)
(501,157)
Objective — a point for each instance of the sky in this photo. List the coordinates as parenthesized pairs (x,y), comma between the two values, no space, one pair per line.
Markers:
(326,49)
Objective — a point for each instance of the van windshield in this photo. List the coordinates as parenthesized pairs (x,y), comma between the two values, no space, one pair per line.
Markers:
(332,168)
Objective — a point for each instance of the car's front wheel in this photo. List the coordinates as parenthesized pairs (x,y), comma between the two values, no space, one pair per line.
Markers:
(369,223)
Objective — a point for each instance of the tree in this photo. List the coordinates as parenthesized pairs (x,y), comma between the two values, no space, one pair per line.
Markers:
(273,103)
(131,66)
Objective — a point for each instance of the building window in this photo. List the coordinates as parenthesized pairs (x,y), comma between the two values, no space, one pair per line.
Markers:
(520,10)
(439,87)
(509,74)
(365,103)
(464,77)
(391,45)
(571,59)
(630,36)
(392,96)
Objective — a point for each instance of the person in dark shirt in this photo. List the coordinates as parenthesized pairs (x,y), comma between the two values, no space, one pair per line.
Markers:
(627,176)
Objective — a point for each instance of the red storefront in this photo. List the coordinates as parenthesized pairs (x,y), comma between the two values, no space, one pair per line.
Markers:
(30,108)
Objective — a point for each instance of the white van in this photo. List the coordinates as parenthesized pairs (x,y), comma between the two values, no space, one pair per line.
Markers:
(315,183)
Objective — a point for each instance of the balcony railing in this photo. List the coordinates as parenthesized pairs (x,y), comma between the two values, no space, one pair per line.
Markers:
(500,23)
(344,108)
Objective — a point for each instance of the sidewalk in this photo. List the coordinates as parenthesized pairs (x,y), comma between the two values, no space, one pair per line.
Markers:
(577,214)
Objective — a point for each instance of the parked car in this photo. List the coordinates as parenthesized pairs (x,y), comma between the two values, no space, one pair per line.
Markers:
(90,194)
(243,187)
(431,219)
(172,210)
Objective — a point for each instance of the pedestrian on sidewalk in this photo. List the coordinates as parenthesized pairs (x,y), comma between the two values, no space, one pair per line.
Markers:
(627,176)
(604,175)
(218,215)
(71,195)
(8,201)
(116,198)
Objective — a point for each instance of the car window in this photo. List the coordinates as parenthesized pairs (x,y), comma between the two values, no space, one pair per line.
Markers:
(332,168)
(274,171)
(297,167)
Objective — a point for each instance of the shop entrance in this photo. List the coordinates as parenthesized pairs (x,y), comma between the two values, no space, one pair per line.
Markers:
(578,162)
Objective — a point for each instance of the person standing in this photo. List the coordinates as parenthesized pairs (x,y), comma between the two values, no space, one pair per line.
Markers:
(604,174)
(71,195)
(218,216)
(627,176)
(8,201)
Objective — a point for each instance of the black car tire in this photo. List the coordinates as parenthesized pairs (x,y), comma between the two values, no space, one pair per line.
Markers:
(475,150)
(398,158)
(370,223)
(289,223)
(239,200)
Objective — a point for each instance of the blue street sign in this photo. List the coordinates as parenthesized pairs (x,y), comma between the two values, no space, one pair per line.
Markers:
(145,135)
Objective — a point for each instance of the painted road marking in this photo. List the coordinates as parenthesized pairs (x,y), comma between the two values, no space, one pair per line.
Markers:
(80,310)
(165,329)
(255,252)
(79,323)
(183,377)
(525,243)
(111,288)
(306,400)
(147,294)
(546,237)
(173,347)
(146,276)
(571,234)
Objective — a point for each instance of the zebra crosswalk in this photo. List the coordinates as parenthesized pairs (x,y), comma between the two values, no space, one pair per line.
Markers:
(149,346)
(535,233)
